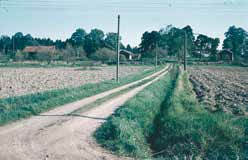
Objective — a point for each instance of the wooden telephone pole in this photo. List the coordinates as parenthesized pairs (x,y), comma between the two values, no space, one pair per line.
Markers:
(156,58)
(13,45)
(185,51)
(118,50)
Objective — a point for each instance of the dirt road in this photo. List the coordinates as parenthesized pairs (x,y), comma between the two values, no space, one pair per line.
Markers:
(56,136)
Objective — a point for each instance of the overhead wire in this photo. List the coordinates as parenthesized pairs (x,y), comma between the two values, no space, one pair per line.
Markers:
(225,7)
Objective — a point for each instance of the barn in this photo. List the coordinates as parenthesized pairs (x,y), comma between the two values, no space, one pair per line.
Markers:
(225,55)
(32,51)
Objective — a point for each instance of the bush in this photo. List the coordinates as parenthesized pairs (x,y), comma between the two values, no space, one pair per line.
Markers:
(104,55)
(44,56)
(4,58)
(162,53)
(81,54)
(20,56)
(122,58)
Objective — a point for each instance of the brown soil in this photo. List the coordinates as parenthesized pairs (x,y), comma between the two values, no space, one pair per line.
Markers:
(222,88)
(21,81)
(56,136)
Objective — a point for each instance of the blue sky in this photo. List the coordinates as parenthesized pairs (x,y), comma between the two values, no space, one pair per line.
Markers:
(59,18)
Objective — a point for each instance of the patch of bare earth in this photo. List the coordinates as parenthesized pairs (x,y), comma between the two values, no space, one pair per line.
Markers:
(56,136)
(222,88)
(22,81)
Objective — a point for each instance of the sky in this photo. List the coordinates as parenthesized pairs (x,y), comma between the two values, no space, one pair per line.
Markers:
(58,19)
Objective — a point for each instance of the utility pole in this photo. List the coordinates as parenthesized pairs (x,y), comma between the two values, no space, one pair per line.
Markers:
(118,50)
(13,49)
(156,58)
(185,51)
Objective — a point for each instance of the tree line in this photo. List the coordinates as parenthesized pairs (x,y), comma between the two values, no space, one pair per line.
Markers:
(96,45)
(81,45)
(169,41)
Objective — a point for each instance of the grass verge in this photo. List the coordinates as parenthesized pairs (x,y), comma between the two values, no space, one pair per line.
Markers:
(184,129)
(165,121)
(15,108)
(126,132)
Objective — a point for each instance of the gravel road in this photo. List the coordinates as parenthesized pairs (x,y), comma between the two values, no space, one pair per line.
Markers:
(55,136)
(21,81)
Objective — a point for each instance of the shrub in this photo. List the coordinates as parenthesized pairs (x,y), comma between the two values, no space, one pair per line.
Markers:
(4,58)
(69,54)
(104,55)
(44,56)
(20,56)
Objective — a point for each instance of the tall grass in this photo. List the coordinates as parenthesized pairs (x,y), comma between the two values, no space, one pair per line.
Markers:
(14,108)
(186,130)
(127,131)
(165,121)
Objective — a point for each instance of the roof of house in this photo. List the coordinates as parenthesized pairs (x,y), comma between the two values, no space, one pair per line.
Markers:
(226,51)
(32,49)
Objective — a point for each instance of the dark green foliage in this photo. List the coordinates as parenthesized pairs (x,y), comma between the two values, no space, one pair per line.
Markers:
(149,41)
(78,37)
(93,41)
(171,41)
(206,46)
(236,40)
(111,40)
(104,55)
(12,109)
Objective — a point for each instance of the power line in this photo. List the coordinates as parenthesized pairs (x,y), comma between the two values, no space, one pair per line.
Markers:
(154,7)
(118,50)
(134,4)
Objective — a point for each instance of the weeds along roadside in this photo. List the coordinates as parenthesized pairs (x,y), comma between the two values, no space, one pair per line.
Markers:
(126,132)
(165,121)
(15,108)
(185,129)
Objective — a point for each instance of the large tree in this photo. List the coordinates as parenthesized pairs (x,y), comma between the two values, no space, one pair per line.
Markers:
(206,46)
(214,48)
(18,40)
(175,42)
(93,41)
(5,44)
(149,41)
(78,37)
(111,40)
(190,39)
(235,41)
(246,51)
